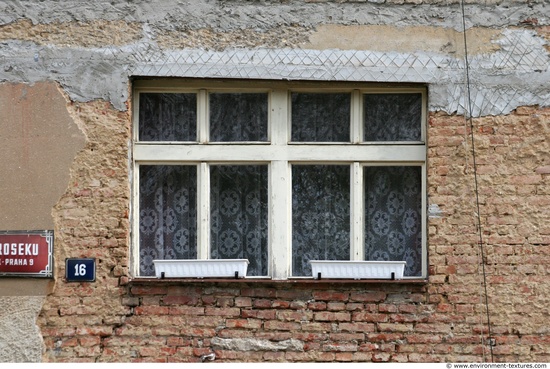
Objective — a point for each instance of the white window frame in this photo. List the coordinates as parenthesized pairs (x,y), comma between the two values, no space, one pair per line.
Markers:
(279,154)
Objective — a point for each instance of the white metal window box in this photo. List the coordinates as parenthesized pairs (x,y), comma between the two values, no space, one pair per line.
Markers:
(193,268)
(357,269)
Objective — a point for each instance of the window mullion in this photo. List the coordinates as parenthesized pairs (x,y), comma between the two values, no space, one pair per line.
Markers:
(357,211)
(356,117)
(202,116)
(279,118)
(280,219)
(203,216)
(279,190)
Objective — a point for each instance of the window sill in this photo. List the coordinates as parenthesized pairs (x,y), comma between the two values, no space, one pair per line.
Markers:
(296,281)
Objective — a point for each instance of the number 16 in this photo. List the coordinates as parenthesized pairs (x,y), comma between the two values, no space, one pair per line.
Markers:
(80,270)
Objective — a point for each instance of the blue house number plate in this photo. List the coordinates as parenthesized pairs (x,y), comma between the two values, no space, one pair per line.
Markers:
(80,270)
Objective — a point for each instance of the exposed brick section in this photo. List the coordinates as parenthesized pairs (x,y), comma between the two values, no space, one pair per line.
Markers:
(117,319)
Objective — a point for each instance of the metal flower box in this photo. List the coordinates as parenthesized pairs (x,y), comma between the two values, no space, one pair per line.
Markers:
(346,269)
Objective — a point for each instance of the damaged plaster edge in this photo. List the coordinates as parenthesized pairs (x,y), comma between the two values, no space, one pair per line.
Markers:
(502,81)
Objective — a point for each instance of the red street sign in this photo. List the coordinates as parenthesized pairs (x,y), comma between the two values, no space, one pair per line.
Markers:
(26,253)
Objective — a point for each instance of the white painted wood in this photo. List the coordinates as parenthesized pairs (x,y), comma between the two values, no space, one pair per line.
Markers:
(357,211)
(356,117)
(202,117)
(203,219)
(279,128)
(280,221)
(162,153)
(134,219)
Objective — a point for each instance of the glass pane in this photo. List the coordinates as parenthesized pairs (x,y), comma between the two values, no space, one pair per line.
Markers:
(167,117)
(393,216)
(167,214)
(238,117)
(320,117)
(320,215)
(393,117)
(238,195)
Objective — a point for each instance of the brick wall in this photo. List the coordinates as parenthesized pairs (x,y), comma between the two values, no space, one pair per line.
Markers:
(443,320)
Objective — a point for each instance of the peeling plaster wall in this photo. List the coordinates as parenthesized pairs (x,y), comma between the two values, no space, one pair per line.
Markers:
(38,142)
(21,339)
(230,39)
(91,49)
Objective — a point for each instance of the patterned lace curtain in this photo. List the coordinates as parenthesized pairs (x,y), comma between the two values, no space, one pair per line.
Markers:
(238,117)
(167,117)
(321,117)
(392,117)
(393,219)
(168,220)
(320,215)
(239,216)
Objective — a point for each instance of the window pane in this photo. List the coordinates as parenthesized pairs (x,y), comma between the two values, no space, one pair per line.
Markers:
(393,219)
(321,117)
(167,214)
(393,117)
(238,117)
(320,215)
(239,215)
(167,117)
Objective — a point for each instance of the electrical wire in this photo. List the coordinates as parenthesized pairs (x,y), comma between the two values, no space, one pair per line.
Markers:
(480,233)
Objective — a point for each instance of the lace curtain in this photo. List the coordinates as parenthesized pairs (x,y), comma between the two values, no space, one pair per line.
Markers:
(392,117)
(393,225)
(167,117)
(321,117)
(167,216)
(320,215)
(238,205)
(238,117)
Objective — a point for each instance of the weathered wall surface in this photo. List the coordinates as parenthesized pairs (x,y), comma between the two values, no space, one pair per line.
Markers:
(91,49)
(38,142)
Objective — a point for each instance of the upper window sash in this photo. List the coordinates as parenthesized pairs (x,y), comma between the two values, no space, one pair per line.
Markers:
(393,111)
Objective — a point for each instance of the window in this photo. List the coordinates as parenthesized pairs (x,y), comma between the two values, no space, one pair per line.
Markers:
(279,173)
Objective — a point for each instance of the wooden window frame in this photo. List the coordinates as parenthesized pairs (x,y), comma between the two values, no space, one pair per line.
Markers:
(279,153)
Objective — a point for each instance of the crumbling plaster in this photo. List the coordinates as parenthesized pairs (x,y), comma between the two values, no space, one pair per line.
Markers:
(83,43)
(35,174)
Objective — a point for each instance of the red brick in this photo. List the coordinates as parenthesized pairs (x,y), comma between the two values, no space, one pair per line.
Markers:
(317,306)
(280,304)
(282,326)
(369,317)
(336,306)
(180,300)
(148,290)
(226,312)
(357,327)
(352,347)
(368,296)
(243,301)
(274,356)
(262,304)
(259,314)
(296,316)
(259,292)
(330,316)
(330,296)
(243,323)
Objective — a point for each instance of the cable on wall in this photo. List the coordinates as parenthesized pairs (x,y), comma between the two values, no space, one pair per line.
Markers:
(480,233)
